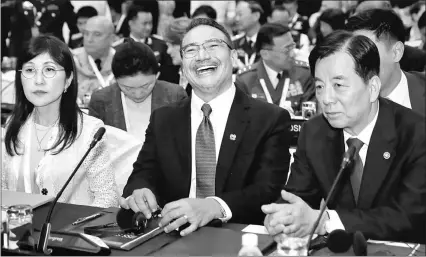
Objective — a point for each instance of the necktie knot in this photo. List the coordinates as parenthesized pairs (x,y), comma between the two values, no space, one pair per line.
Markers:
(98,64)
(355,142)
(206,110)
(279,75)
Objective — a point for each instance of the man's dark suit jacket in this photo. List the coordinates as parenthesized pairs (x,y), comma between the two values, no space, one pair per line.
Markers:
(413,59)
(392,198)
(417,90)
(250,169)
(106,104)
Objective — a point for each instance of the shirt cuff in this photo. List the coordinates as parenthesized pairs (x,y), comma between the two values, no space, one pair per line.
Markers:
(228,213)
(334,222)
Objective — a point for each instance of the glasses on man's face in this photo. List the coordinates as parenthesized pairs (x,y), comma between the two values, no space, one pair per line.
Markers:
(47,71)
(210,46)
(285,50)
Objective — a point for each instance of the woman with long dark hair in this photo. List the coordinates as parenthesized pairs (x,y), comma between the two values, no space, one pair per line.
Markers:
(47,133)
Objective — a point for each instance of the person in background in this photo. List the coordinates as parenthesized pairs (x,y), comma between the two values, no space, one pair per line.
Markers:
(204,11)
(47,133)
(368,5)
(93,60)
(215,155)
(249,18)
(128,103)
(331,20)
(173,36)
(140,22)
(386,30)
(277,71)
(422,28)
(166,9)
(298,23)
(383,193)
(83,14)
(32,18)
(279,15)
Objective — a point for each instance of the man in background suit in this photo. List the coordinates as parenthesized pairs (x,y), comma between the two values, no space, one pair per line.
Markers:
(128,103)
(276,68)
(387,31)
(215,155)
(383,192)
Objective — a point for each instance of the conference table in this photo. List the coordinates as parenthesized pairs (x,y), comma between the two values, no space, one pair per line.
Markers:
(225,241)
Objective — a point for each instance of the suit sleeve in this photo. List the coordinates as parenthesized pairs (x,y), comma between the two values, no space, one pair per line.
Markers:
(302,181)
(146,170)
(97,107)
(269,168)
(241,85)
(404,215)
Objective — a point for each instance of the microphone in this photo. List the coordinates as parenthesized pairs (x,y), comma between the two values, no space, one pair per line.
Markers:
(347,158)
(359,244)
(44,236)
(339,241)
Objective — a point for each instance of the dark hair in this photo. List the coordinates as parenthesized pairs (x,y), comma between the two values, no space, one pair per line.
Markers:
(132,58)
(421,23)
(334,17)
(212,23)
(383,23)
(280,2)
(259,6)
(267,33)
(86,12)
(363,51)
(134,9)
(69,112)
(207,10)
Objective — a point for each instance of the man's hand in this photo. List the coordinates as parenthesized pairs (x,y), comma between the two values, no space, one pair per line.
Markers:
(142,200)
(198,212)
(295,218)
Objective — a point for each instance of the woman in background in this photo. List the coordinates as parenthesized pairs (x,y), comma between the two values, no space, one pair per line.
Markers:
(47,134)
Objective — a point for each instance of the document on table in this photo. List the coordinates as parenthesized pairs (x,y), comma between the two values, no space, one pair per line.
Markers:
(256,229)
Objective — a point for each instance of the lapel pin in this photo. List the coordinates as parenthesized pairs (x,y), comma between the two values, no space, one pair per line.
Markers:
(386,155)
(254,95)
(232,137)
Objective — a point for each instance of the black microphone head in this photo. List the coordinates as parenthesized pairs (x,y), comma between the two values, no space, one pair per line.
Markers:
(125,218)
(359,244)
(339,241)
(99,134)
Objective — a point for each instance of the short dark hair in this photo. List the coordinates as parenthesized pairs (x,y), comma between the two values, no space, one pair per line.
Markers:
(207,10)
(134,9)
(280,2)
(69,112)
(132,58)
(363,51)
(212,23)
(334,17)
(421,23)
(383,23)
(267,33)
(278,8)
(86,12)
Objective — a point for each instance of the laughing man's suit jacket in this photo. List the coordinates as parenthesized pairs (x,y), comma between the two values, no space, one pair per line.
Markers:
(249,170)
(392,198)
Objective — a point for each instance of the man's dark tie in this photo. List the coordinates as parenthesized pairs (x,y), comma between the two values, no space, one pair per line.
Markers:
(98,64)
(250,43)
(205,156)
(357,166)
(279,76)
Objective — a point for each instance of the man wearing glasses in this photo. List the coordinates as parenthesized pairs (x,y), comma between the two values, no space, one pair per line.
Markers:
(277,78)
(217,155)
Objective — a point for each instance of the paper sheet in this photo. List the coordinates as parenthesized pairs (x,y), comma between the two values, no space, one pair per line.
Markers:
(256,229)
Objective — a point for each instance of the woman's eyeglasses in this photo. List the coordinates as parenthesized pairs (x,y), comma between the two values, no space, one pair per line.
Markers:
(48,72)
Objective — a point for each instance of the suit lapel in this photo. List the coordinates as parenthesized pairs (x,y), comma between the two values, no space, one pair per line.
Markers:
(182,135)
(416,91)
(116,108)
(234,133)
(157,97)
(382,144)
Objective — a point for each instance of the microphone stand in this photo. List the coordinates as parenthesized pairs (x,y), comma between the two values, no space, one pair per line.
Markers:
(45,230)
(347,158)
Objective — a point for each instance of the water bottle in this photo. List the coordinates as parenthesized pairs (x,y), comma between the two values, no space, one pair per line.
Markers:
(249,245)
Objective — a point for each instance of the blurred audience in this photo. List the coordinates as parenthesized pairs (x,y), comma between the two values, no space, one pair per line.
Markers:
(331,20)
(204,11)
(83,14)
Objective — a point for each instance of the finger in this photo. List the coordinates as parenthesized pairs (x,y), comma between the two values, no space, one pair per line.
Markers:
(271,208)
(170,216)
(289,197)
(278,229)
(280,219)
(292,229)
(138,205)
(123,203)
(170,206)
(189,230)
(150,199)
(176,224)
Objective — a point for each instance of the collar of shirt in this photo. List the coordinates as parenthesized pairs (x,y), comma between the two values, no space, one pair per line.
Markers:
(252,38)
(365,134)
(142,40)
(295,17)
(400,93)
(272,75)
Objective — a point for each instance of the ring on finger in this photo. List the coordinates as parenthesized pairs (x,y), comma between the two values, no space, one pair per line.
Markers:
(185,217)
